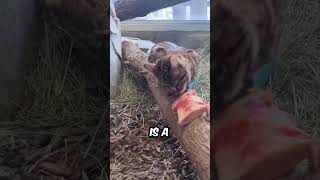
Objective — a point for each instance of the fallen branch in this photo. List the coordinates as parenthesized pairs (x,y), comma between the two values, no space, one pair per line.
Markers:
(195,137)
(128,9)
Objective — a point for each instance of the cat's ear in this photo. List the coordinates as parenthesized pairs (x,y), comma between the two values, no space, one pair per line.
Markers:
(193,53)
(159,52)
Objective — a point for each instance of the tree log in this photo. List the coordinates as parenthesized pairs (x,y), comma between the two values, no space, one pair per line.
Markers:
(194,137)
(128,9)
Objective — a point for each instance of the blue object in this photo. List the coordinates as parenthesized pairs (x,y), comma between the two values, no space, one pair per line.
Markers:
(193,85)
(149,52)
(265,73)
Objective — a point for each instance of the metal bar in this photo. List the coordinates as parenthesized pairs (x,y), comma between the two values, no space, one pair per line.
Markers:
(166,25)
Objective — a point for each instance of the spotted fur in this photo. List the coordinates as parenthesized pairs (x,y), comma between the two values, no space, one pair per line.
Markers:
(161,49)
(175,70)
(246,36)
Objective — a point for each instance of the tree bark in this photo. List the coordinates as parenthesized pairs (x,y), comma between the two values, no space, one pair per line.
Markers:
(128,9)
(195,137)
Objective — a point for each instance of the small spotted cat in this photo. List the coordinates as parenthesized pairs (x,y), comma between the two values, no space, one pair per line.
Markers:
(175,67)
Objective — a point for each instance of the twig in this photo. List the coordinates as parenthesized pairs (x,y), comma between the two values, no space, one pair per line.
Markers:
(95,133)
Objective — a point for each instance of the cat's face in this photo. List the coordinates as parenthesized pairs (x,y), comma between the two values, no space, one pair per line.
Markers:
(175,70)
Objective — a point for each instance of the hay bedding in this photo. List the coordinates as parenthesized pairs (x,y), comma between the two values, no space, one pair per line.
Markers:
(59,130)
(296,88)
(133,154)
(297,81)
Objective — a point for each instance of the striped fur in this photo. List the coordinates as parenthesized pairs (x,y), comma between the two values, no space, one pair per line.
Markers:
(246,34)
(175,69)
(160,49)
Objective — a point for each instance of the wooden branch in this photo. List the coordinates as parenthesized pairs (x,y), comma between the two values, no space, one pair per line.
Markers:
(128,9)
(195,137)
